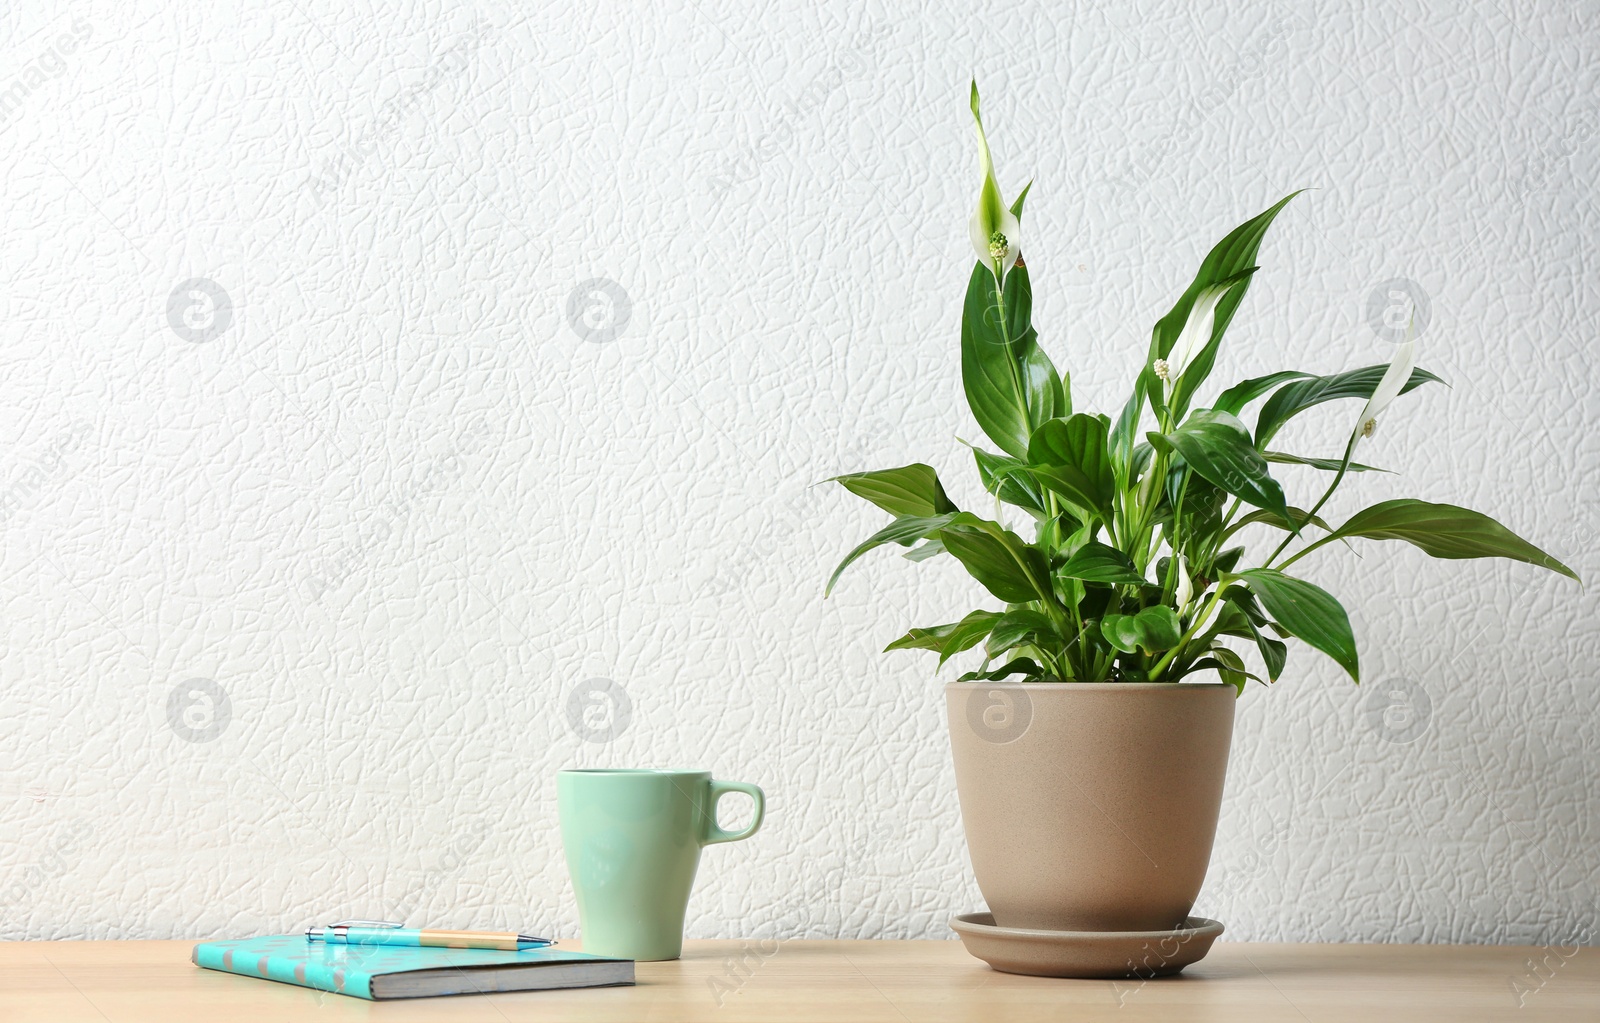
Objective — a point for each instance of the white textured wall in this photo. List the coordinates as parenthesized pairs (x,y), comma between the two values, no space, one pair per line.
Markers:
(397,507)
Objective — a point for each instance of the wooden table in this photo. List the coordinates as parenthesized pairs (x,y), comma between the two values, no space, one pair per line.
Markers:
(138,981)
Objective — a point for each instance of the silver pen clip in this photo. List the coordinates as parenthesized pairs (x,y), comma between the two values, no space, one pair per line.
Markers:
(321,933)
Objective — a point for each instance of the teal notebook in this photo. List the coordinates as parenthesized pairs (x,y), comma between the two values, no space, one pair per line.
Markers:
(395,971)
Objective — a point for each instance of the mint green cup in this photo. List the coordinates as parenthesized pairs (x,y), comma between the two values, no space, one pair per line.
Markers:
(633,841)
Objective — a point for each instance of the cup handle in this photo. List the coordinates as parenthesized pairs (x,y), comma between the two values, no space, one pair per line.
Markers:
(715,833)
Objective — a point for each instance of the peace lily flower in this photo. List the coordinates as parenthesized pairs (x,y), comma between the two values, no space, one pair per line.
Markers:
(1394,378)
(1185,585)
(995,230)
(1195,335)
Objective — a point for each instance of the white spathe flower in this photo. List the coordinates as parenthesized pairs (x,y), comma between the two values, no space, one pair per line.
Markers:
(1185,584)
(996,232)
(1196,332)
(1389,388)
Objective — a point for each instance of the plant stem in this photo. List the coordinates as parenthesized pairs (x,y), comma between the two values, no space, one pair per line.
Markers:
(1223,533)
(1005,338)
(1194,627)
(1177,526)
(1349,452)
(1304,551)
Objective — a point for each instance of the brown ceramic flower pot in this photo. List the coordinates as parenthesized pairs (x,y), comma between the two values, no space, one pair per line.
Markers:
(1090,806)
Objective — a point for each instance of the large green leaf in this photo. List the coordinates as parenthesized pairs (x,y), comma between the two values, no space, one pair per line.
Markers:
(1044,389)
(1232,256)
(1445,531)
(1099,563)
(1122,444)
(999,476)
(1018,627)
(1235,398)
(948,640)
(1016,666)
(1237,616)
(905,531)
(1218,447)
(1010,383)
(1307,612)
(1203,506)
(1007,567)
(1294,398)
(1228,665)
(1069,457)
(1273,652)
(1152,629)
(909,490)
(1274,519)
(1326,464)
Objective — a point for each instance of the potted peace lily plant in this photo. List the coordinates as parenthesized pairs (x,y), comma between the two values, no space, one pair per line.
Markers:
(1089,781)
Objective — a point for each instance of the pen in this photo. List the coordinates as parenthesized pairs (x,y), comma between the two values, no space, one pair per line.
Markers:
(371,932)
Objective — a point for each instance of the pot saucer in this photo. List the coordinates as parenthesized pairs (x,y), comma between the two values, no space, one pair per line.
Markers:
(1090,954)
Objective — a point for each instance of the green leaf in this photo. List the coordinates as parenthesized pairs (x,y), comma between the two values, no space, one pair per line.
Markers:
(1273,652)
(1274,519)
(1228,665)
(1232,256)
(1225,561)
(1069,457)
(1018,627)
(904,531)
(948,640)
(1018,666)
(1154,629)
(999,476)
(1007,567)
(1329,464)
(1235,398)
(909,490)
(930,549)
(1016,207)
(1238,616)
(1294,398)
(1161,628)
(1445,531)
(1217,446)
(1100,563)
(1203,506)
(1121,444)
(989,372)
(1010,383)
(1043,388)
(1307,612)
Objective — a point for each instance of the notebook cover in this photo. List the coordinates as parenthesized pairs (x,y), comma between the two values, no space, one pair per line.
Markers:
(349,969)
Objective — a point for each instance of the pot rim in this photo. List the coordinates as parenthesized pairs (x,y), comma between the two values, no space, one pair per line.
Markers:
(1092,687)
